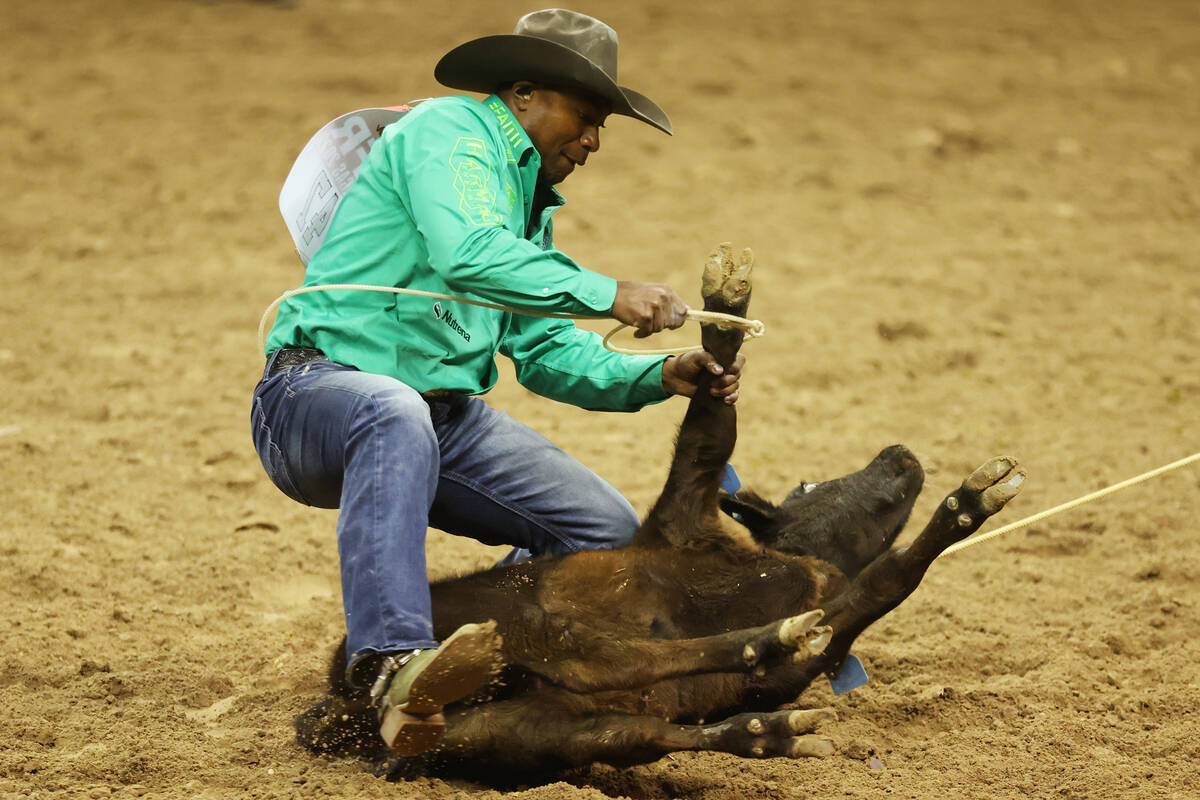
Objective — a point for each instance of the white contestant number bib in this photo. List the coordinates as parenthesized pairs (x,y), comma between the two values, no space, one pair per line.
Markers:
(325,168)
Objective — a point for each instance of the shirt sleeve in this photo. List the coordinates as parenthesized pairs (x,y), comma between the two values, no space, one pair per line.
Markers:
(466,202)
(558,360)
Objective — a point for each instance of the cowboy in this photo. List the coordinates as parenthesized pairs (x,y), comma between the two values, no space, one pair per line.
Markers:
(369,402)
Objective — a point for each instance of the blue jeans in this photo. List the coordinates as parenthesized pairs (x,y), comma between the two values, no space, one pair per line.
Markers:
(395,464)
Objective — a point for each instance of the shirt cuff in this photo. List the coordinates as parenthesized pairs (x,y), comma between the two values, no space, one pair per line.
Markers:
(597,292)
(648,388)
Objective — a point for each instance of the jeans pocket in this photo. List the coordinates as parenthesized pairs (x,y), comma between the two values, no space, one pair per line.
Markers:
(270,455)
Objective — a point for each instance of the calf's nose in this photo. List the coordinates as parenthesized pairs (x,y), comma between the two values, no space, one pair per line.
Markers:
(899,460)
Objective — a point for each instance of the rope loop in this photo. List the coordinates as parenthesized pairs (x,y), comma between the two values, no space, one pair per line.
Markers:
(754,328)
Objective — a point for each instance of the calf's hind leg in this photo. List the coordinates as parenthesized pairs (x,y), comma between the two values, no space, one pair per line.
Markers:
(687,508)
(586,660)
(543,734)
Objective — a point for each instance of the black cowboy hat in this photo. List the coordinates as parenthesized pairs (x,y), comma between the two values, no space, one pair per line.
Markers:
(555,46)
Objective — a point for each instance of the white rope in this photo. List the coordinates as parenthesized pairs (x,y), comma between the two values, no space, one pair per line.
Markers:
(754,328)
(1087,498)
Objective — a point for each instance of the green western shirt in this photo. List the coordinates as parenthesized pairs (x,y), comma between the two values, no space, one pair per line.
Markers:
(443,203)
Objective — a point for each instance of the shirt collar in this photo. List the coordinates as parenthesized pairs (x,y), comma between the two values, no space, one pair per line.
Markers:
(519,144)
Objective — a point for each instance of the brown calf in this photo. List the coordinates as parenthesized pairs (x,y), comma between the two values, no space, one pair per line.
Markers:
(690,638)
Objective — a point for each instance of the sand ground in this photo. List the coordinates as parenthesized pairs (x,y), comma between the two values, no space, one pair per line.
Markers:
(976,227)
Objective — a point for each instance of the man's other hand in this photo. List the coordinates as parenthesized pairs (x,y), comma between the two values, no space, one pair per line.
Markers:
(680,374)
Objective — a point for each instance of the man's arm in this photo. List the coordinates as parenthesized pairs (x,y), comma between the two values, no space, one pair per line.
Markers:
(557,360)
(468,206)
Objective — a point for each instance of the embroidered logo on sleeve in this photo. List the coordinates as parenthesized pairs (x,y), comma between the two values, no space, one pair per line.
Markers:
(472,180)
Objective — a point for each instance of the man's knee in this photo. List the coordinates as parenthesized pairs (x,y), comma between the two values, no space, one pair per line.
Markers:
(619,523)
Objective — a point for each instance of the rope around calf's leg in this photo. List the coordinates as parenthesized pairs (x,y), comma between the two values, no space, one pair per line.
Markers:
(754,328)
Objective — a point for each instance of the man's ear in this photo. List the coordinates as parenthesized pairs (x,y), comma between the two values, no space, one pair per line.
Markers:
(523,90)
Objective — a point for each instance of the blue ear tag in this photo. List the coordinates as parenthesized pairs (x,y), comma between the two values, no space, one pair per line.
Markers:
(851,676)
(729,480)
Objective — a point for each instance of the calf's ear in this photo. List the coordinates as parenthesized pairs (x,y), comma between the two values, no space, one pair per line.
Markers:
(750,509)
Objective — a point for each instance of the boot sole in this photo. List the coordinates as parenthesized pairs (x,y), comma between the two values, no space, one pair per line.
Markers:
(408,735)
(462,665)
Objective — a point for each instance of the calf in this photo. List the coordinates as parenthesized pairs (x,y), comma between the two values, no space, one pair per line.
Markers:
(690,638)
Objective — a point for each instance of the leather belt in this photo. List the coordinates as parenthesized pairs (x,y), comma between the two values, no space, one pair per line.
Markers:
(294,356)
(290,356)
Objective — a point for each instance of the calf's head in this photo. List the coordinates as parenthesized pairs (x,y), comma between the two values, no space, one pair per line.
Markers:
(847,521)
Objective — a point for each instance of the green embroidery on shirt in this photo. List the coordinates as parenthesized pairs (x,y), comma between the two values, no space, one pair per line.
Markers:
(370,243)
(508,126)
(472,180)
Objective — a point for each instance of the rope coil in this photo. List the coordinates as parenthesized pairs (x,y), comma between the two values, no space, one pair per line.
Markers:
(754,328)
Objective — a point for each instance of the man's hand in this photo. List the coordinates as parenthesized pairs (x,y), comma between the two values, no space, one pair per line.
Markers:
(649,307)
(680,373)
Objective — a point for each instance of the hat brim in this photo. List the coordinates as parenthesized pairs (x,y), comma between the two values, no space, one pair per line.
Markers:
(486,64)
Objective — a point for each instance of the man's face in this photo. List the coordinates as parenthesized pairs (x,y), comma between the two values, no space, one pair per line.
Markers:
(563,125)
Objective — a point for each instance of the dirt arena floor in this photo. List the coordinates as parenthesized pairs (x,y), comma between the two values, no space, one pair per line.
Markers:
(976,227)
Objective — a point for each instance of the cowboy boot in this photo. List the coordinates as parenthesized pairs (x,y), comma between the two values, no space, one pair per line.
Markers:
(413,688)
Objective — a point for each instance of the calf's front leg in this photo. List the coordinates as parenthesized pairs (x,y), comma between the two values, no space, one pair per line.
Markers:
(893,576)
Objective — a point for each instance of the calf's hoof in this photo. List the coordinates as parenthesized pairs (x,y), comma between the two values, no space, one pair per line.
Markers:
(803,721)
(798,636)
(999,480)
(725,282)
(986,491)
(778,733)
(810,746)
(802,634)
